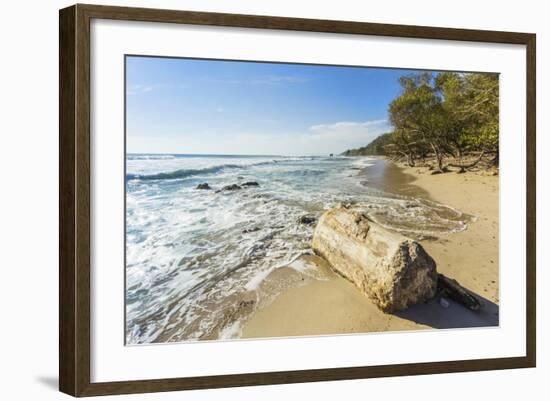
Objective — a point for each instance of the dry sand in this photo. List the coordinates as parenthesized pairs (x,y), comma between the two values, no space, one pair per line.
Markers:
(334,306)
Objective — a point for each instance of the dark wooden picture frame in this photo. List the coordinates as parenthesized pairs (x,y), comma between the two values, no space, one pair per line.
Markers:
(74,199)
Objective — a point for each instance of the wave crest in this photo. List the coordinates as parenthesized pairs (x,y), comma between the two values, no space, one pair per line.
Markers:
(182,173)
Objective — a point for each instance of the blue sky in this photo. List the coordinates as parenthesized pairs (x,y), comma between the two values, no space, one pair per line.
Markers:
(229,107)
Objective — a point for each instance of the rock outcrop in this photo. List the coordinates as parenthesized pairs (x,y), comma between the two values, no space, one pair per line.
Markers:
(204,185)
(232,187)
(395,272)
(307,219)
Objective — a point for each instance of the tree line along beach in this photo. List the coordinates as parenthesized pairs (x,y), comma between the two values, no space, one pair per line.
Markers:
(223,246)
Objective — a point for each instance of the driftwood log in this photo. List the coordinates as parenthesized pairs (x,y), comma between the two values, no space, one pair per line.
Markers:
(394,271)
(450,288)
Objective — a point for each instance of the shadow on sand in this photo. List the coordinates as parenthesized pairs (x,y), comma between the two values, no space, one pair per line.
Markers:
(455,316)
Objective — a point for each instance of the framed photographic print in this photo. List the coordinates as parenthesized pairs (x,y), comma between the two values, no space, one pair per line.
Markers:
(251,200)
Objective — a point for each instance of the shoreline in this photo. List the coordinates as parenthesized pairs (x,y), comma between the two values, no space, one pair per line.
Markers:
(334,306)
(475,250)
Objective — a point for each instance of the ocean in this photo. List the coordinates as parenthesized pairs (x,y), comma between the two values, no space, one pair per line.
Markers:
(192,254)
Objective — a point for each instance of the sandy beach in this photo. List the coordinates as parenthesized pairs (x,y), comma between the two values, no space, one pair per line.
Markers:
(333,305)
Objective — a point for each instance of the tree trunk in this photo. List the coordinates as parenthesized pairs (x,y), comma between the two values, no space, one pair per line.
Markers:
(439,157)
(494,161)
(411,159)
(410,154)
(458,153)
(463,167)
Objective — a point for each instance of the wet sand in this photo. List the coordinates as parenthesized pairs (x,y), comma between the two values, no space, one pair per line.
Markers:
(334,306)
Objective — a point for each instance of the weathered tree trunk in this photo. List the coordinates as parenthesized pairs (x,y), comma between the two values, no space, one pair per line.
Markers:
(463,167)
(410,153)
(411,159)
(495,162)
(392,270)
(438,157)
(458,153)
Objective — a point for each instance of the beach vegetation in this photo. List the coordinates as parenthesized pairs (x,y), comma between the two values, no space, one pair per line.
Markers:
(450,118)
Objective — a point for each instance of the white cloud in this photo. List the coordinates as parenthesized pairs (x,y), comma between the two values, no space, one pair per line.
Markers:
(321,139)
(349,128)
(351,132)
(138,88)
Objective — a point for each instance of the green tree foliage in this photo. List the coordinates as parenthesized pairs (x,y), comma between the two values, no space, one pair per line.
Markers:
(375,148)
(482,107)
(445,115)
(418,118)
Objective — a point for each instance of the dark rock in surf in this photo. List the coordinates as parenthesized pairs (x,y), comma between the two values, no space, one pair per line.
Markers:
(250,184)
(347,205)
(251,230)
(307,219)
(204,185)
(232,187)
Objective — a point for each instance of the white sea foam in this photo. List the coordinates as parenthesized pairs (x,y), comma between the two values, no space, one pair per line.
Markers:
(362,162)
